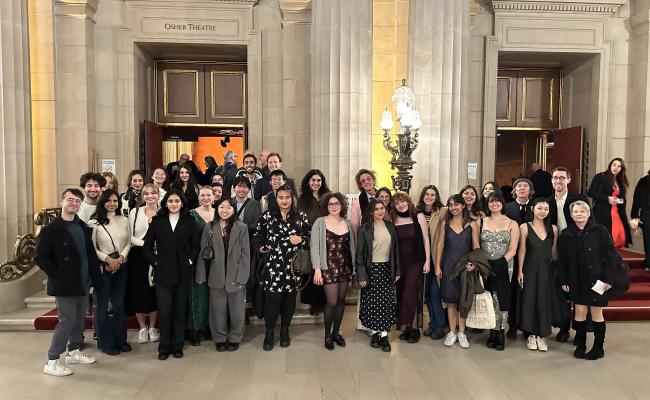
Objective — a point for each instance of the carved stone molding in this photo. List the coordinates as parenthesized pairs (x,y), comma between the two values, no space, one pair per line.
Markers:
(559,6)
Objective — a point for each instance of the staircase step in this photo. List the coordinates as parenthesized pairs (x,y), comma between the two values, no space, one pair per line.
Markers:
(299,318)
(627,310)
(40,300)
(19,321)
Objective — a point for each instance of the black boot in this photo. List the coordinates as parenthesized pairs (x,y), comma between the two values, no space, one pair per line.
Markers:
(285,340)
(491,340)
(597,351)
(563,334)
(500,340)
(580,339)
(268,340)
(194,337)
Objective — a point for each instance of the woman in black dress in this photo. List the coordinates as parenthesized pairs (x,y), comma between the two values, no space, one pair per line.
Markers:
(414,253)
(171,246)
(608,191)
(587,259)
(312,189)
(332,256)
(185,182)
(540,308)
(280,233)
(377,263)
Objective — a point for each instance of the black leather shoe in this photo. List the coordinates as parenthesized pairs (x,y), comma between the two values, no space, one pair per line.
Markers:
(178,354)
(405,334)
(492,339)
(512,333)
(338,339)
(268,341)
(477,330)
(437,335)
(163,356)
(562,336)
(428,332)
(374,341)
(112,352)
(221,346)
(329,343)
(285,340)
(233,346)
(385,344)
(500,341)
(125,348)
(414,336)
(194,338)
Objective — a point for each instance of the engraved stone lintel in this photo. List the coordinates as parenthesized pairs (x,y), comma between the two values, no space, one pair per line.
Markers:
(568,6)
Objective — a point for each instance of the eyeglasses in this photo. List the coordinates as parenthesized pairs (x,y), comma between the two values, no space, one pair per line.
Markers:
(73,200)
(334,204)
(559,178)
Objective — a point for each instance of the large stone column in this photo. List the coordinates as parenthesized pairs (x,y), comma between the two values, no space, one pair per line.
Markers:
(15,126)
(438,74)
(341,76)
(75,88)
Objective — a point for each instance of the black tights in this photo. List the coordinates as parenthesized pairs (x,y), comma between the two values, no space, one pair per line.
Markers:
(335,296)
(282,304)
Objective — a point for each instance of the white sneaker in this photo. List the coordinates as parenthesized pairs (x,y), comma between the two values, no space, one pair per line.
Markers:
(77,357)
(154,335)
(143,335)
(541,344)
(450,339)
(462,340)
(56,368)
(532,343)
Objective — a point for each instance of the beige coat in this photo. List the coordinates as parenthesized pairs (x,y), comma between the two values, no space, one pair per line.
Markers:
(434,230)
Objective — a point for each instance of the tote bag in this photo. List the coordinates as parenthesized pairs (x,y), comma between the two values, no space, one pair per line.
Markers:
(481,315)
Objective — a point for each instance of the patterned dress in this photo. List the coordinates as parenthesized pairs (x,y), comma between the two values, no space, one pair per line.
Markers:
(339,258)
(274,232)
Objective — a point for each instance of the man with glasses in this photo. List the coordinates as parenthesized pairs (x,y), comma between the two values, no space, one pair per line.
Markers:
(66,254)
(277,179)
(560,215)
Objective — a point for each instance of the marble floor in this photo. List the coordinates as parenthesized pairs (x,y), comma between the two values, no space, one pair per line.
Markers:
(306,370)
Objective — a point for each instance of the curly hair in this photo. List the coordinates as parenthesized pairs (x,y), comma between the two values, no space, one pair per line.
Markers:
(339,196)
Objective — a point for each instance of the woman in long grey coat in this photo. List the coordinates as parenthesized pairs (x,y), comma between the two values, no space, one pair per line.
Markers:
(226,274)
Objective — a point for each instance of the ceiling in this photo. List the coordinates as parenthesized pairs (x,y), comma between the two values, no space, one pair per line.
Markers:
(194,52)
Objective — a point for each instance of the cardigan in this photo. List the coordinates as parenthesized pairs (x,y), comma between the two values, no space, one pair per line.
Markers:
(318,244)
(139,226)
(120,233)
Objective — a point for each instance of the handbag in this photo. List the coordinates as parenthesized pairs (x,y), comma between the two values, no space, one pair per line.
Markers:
(114,254)
(208,252)
(301,262)
(621,282)
(481,315)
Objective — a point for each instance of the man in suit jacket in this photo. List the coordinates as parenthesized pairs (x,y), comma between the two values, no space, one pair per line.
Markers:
(541,181)
(66,254)
(263,186)
(519,209)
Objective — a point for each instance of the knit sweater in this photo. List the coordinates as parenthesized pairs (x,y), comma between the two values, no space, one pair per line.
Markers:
(120,232)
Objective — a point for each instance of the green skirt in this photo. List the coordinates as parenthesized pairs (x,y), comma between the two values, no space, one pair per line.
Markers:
(199,305)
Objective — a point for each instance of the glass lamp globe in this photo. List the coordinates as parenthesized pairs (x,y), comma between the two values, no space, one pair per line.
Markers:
(417,122)
(386,120)
(403,98)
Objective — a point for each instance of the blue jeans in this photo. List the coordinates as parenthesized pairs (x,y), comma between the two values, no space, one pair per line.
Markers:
(436,313)
(111,332)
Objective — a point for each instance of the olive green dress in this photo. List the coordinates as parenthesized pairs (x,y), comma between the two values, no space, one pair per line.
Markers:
(199,293)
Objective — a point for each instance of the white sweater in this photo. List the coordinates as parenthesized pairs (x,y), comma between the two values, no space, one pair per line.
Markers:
(141,225)
(119,230)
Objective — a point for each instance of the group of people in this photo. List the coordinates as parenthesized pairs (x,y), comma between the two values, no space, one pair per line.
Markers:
(185,251)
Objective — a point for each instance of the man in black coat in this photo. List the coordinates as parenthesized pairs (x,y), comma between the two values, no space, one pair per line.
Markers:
(541,181)
(263,187)
(560,216)
(641,210)
(66,254)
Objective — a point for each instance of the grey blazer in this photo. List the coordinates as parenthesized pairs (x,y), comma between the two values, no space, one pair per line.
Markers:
(318,244)
(233,277)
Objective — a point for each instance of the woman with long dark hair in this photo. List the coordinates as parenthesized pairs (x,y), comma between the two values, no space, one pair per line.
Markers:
(226,274)
(185,182)
(489,187)
(608,190)
(332,255)
(312,189)
(280,233)
(112,239)
(133,195)
(430,205)
(171,246)
(470,196)
(414,260)
(141,293)
(540,308)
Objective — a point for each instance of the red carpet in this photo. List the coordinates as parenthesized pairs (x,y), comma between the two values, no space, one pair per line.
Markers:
(48,321)
(635,304)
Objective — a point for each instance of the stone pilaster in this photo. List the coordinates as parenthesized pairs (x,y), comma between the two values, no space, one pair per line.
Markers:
(15,126)
(74,45)
(341,76)
(438,73)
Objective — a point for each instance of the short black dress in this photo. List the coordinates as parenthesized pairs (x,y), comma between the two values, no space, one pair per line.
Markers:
(339,258)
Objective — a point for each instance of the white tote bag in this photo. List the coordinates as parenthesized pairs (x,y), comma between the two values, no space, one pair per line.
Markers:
(481,315)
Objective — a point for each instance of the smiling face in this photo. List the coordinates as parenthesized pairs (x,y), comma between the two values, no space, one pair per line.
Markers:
(206,196)
(276,181)
(379,212)
(429,197)
(540,211)
(560,180)
(184,174)
(487,189)
(315,182)
(249,164)
(456,208)
(70,204)
(217,192)
(225,210)
(174,204)
(92,189)
(284,200)
(137,182)
(367,182)
(150,196)
(158,176)
(383,197)
(241,190)
(111,203)
(334,206)
(469,196)
(401,205)
(495,206)
(273,163)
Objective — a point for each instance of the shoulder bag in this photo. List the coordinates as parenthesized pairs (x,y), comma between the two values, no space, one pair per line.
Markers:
(481,315)
(208,252)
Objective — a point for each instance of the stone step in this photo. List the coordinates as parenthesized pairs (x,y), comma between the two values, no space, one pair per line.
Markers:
(40,300)
(300,317)
(19,321)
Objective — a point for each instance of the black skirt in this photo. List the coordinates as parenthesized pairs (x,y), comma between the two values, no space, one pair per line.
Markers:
(142,297)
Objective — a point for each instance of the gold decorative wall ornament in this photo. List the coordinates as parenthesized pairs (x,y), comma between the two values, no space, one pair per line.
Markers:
(25,247)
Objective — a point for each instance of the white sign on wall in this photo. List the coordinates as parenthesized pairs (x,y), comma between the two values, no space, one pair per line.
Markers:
(472,170)
(108,166)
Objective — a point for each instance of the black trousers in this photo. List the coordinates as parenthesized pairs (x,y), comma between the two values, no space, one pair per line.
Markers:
(645,228)
(279,304)
(172,308)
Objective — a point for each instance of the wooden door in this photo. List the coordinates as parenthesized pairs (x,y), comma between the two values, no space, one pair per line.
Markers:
(153,142)
(568,152)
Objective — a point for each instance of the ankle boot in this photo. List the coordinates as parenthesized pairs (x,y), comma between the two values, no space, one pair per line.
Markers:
(268,340)
(597,351)
(491,340)
(580,339)
(500,340)
(285,340)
